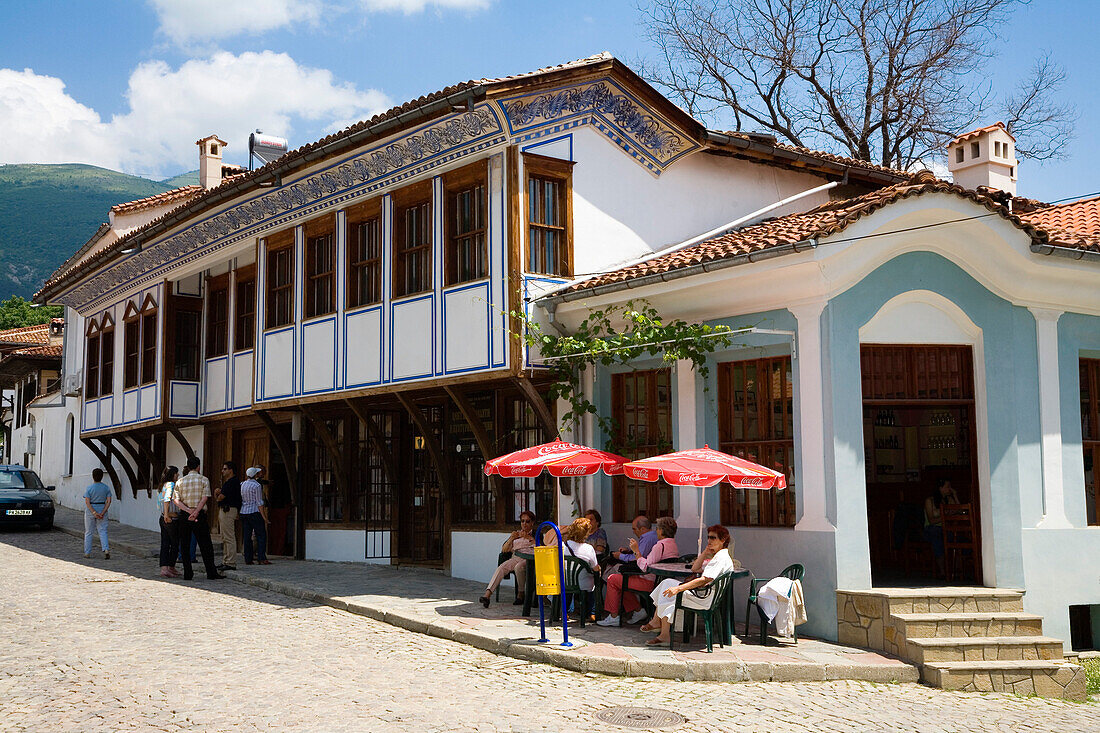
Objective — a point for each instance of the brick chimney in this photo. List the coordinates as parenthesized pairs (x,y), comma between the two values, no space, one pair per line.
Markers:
(210,161)
(984,157)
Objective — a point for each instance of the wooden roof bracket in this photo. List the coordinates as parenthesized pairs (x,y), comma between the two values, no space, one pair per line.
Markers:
(481,436)
(105,461)
(542,412)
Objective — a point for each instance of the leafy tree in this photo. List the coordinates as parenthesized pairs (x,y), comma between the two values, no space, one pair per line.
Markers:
(16,312)
(885,81)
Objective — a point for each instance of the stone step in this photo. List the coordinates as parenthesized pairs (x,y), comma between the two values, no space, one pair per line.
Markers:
(1053,679)
(953,600)
(971,624)
(977,648)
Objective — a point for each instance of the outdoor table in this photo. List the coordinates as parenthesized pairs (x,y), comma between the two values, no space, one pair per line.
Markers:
(682,571)
(529,591)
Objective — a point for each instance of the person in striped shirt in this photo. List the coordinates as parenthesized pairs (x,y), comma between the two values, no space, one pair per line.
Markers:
(254,516)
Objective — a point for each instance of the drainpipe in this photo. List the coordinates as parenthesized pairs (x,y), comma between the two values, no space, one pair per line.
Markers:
(1073,253)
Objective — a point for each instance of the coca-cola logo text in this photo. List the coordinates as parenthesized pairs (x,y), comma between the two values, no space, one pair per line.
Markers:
(546,450)
(573,470)
(752,481)
(690,477)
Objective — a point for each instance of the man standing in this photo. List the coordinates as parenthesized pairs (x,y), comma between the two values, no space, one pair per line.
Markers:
(254,516)
(229,501)
(97,497)
(191,495)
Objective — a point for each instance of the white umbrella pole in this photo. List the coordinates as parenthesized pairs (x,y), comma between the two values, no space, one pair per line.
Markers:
(702,494)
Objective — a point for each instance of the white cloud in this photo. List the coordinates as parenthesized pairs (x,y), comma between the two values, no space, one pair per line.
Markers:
(415,6)
(171,108)
(197,23)
(190,21)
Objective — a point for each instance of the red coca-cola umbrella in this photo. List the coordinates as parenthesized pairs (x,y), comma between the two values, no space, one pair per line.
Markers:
(558,458)
(703,467)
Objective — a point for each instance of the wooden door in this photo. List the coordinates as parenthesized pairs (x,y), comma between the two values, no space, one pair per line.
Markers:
(422,530)
(255,449)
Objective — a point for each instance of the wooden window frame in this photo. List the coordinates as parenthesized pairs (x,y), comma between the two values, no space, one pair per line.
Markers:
(1090,429)
(217,323)
(456,183)
(772,508)
(107,361)
(278,245)
(656,493)
(148,347)
(553,169)
(180,303)
(244,324)
(362,215)
(320,276)
(131,352)
(92,375)
(404,200)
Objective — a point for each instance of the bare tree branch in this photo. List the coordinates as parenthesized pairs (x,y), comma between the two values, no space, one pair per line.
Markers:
(887,81)
(1042,127)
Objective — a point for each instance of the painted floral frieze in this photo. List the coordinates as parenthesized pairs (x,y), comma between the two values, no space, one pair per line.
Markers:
(649,133)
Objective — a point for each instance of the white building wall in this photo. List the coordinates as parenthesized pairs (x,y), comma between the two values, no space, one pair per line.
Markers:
(621,211)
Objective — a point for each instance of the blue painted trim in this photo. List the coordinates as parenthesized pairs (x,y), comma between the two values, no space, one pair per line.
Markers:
(171,398)
(335,352)
(381,337)
(483,283)
(527,279)
(393,307)
(264,397)
(205,384)
(541,143)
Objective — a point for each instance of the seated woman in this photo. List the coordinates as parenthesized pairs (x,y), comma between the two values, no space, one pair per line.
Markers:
(575,535)
(933,519)
(665,549)
(522,540)
(598,538)
(715,560)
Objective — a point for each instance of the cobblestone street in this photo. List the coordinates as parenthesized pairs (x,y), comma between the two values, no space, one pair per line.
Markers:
(106,645)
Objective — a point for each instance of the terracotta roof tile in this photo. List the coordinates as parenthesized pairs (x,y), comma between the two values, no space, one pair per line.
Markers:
(839,159)
(176,195)
(974,133)
(1076,223)
(822,221)
(40,351)
(37,334)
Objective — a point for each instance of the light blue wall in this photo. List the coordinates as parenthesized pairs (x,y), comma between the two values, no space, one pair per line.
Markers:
(1061,566)
(1078,337)
(1011,376)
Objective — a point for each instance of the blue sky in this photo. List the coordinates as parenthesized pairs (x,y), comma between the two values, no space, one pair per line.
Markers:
(132,85)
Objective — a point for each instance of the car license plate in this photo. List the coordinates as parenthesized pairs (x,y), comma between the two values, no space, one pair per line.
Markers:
(20,512)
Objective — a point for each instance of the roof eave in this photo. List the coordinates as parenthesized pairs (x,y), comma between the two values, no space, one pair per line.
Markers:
(271,174)
(759,149)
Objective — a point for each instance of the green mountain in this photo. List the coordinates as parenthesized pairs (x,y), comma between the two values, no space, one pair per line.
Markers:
(47,212)
(183,179)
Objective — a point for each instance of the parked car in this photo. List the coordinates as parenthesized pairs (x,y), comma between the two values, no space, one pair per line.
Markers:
(23,498)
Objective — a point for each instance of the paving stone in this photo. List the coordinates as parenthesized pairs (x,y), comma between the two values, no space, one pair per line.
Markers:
(255,660)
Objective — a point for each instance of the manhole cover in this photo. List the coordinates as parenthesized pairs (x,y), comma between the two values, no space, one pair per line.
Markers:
(641,717)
